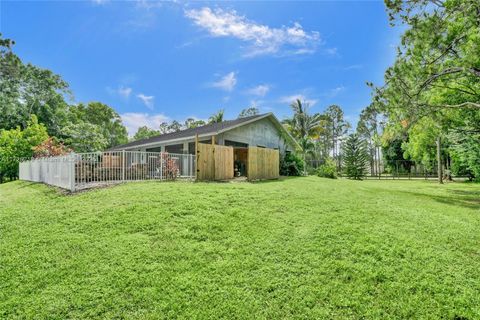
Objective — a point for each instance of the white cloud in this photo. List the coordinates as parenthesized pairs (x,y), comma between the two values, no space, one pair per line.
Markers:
(134,120)
(147,100)
(260,90)
(335,91)
(261,38)
(100,2)
(227,82)
(353,67)
(124,91)
(301,97)
(332,51)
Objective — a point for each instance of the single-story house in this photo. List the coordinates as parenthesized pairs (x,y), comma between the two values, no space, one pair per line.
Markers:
(244,135)
(263,130)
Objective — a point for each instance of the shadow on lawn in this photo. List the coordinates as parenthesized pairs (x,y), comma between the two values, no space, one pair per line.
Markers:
(464,198)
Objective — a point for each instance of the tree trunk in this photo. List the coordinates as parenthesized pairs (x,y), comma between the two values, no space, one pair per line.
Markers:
(439,159)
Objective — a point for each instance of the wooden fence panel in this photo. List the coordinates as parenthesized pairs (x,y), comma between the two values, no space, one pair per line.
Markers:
(263,163)
(214,162)
(223,162)
(205,162)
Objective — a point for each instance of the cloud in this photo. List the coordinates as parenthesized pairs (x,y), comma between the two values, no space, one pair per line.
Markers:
(226,83)
(301,97)
(335,91)
(262,39)
(353,67)
(100,2)
(260,90)
(147,100)
(331,51)
(124,91)
(121,91)
(134,120)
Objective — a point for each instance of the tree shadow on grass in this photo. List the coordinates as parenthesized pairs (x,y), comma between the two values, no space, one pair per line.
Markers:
(461,198)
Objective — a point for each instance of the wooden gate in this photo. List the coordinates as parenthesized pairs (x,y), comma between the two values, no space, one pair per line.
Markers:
(214,162)
(263,163)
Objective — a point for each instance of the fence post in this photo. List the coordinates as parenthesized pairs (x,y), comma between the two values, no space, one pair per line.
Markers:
(72,171)
(161,165)
(123,165)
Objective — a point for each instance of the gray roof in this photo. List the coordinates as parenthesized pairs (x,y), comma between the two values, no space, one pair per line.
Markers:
(209,129)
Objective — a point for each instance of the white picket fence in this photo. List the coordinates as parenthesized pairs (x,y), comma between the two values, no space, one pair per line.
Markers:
(85,170)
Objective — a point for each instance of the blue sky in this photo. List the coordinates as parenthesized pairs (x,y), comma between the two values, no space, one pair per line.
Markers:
(156,61)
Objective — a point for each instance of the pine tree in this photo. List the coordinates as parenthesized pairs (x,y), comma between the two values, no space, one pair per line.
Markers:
(355,157)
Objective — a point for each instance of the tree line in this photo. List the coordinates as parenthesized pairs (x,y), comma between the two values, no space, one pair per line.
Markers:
(427,111)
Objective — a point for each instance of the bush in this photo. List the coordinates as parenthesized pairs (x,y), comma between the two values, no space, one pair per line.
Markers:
(291,165)
(328,170)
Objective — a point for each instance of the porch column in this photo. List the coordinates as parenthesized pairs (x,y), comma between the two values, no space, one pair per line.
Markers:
(185,165)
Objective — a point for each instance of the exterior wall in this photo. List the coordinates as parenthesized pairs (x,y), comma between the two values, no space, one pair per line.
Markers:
(262,133)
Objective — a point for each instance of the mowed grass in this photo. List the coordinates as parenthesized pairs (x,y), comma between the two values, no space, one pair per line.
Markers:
(296,248)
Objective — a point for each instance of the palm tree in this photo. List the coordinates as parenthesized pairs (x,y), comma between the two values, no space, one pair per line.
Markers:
(303,125)
(217,117)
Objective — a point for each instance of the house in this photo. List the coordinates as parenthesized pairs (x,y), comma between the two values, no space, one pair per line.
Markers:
(244,135)
(263,130)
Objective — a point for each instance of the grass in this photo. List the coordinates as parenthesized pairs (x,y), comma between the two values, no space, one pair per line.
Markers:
(296,248)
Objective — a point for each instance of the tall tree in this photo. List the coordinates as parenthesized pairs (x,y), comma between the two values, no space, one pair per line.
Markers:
(193,123)
(248,112)
(144,133)
(105,118)
(217,117)
(338,127)
(355,157)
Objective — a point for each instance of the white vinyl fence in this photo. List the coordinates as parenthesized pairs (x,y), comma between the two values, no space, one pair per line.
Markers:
(85,170)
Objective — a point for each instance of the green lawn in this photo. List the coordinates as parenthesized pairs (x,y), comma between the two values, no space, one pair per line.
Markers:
(295,248)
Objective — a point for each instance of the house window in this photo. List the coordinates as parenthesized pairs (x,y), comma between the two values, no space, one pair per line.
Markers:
(175,148)
(157,149)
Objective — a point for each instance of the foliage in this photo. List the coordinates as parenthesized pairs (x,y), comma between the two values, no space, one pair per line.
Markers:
(385,250)
(355,157)
(193,123)
(27,90)
(17,145)
(435,79)
(50,148)
(291,165)
(217,117)
(105,118)
(85,137)
(144,133)
(328,169)
(248,112)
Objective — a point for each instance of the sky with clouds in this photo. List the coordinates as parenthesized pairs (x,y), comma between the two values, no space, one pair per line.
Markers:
(156,61)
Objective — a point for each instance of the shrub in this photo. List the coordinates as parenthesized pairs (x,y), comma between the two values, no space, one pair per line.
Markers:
(291,165)
(328,170)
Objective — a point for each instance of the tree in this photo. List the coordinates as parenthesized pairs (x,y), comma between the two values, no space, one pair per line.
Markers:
(85,137)
(217,117)
(338,127)
(355,157)
(174,126)
(248,112)
(369,127)
(17,145)
(144,133)
(26,90)
(163,127)
(105,118)
(191,123)
(436,74)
